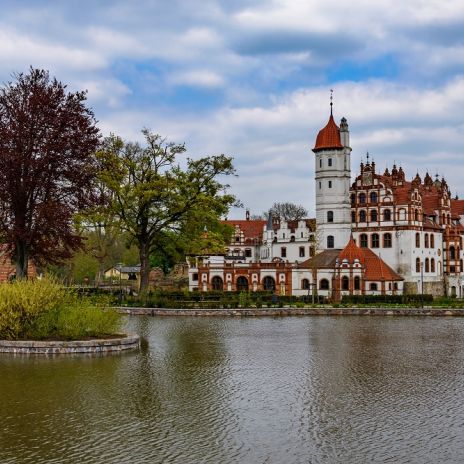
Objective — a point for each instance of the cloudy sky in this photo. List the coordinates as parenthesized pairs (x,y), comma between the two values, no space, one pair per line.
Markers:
(251,79)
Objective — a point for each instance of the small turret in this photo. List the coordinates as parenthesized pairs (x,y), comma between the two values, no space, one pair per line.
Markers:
(344,133)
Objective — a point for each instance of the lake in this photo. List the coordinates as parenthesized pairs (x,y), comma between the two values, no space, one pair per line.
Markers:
(245,390)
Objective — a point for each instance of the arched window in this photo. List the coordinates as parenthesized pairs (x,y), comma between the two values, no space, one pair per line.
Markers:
(416,215)
(330,241)
(363,240)
(323,284)
(417,264)
(305,284)
(432,265)
(362,198)
(269,284)
(427,265)
(242,284)
(353,216)
(345,283)
(357,283)
(373,197)
(373,286)
(426,240)
(330,216)
(387,240)
(452,252)
(373,215)
(417,240)
(292,238)
(362,216)
(375,241)
(387,215)
(216,283)
(432,241)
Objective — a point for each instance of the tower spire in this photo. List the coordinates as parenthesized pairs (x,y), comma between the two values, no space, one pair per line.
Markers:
(331,101)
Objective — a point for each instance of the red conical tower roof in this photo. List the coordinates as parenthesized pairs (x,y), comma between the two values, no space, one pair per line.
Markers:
(329,136)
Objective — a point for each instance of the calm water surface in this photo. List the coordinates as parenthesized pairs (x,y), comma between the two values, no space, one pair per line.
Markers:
(225,390)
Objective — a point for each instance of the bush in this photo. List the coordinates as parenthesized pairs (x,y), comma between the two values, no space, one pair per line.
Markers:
(38,309)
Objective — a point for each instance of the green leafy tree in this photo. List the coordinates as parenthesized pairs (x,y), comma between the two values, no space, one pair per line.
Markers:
(154,197)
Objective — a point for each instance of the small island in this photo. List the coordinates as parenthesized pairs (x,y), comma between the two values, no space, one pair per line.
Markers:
(41,316)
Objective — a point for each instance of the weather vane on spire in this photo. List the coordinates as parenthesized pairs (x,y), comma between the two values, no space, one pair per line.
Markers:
(331,101)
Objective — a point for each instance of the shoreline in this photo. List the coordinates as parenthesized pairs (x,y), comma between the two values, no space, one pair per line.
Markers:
(277,312)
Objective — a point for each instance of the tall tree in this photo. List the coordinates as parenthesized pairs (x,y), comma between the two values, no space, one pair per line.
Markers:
(154,196)
(287,211)
(48,138)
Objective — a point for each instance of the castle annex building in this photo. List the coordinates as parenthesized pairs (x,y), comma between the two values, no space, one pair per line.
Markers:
(381,234)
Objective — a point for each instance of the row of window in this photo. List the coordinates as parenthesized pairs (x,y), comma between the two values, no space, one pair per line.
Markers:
(373,197)
(301,252)
(329,184)
(324,284)
(373,215)
(364,241)
(429,240)
(429,265)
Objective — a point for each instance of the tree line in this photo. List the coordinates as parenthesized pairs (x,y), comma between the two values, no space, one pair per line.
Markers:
(63,186)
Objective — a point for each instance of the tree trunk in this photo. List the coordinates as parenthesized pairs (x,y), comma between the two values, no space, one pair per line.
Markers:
(144,266)
(21,260)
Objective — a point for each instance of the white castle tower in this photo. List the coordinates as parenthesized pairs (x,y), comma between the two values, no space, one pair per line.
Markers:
(333,177)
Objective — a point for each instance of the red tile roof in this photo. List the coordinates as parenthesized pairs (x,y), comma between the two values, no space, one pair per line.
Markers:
(377,269)
(352,252)
(251,229)
(457,207)
(328,137)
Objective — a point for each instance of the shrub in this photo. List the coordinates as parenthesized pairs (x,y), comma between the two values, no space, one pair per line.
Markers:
(37,309)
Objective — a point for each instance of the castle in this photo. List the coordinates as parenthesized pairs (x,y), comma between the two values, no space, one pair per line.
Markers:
(381,234)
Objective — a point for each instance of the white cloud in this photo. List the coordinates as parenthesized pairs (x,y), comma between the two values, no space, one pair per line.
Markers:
(197,78)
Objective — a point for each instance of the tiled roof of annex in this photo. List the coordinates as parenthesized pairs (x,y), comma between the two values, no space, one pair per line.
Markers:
(252,229)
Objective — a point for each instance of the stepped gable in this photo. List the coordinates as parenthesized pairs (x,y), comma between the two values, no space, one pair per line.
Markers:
(376,269)
(351,252)
(328,137)
(252,229)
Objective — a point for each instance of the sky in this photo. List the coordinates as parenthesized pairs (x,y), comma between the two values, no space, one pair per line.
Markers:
(252,79)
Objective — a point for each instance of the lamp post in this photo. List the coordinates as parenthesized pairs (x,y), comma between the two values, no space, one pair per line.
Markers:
(119,265)
(422,283)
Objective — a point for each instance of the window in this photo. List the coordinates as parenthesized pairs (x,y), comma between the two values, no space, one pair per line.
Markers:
(460,265)
(373,215)
(432,265)
(216,283)
(283,252)
(323,284)
(353,216)
(242,284)
(362,198)
(353,198)
(427,265)
(362,216)
(357,283)
(320,185)
(302,252)
(269,284)
(363,240)
(373,286)
(329,161)
(330,216)
(452,253)
(247,253)
(237,238)
(402,214)
(417,240)
(373,197)
(417,264)
(345,283)
(305,284)
(395,286)
(426,240)
(320,162)
(292,238)
(330,184)
(375,241)
(416,215)
(387,215)
(195,277)
(387,240)
(330,241)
